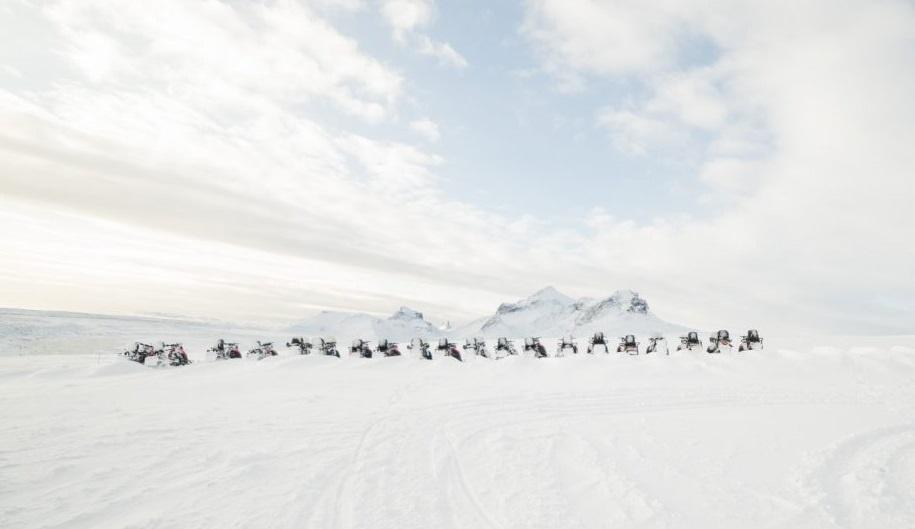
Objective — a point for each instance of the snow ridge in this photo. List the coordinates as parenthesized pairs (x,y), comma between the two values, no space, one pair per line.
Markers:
(549,312)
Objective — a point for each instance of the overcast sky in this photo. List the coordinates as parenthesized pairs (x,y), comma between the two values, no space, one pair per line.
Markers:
(737,163)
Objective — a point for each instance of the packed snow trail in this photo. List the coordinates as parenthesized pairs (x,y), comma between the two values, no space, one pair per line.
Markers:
(818,438)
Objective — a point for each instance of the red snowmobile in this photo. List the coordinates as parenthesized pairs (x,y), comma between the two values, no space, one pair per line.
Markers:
(449,349)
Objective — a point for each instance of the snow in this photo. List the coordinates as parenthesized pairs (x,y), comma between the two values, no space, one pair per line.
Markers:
(403,325)
(548,312)
(807,433)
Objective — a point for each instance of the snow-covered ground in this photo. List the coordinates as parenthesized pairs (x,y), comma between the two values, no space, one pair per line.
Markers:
(814,433)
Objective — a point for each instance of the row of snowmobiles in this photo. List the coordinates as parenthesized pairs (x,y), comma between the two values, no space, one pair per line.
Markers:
(721,342)
(224,350)
(167,354)
(363,348)
(174,355)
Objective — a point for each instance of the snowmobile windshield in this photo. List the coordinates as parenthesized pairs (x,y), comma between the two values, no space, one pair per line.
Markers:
(630,339)
(723,335)
(599,337)
(693,337)
(753,334)
(443,342)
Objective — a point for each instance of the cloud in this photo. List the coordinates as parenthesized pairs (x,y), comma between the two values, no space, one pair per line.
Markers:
(194,125)
(426,128)
(636,132)
(442,51)
(798,119)
(405,16)
(407,19)
(230,159)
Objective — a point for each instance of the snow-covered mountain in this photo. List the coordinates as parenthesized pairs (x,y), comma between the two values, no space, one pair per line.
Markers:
(404,324)
(549,312)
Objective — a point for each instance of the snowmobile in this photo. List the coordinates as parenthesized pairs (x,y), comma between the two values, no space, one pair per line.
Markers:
(449,349)
(477,345)
(505,346)
(140,352)
(656,344)
(263,350)
(225,350)
(690,342)
(303,345)
(598,341)
(721,342)
(361,348)
(628,345)
(422,346)
(533,344)
(387,348)
(751,341)
(328,347)
(173,354)
(567,342)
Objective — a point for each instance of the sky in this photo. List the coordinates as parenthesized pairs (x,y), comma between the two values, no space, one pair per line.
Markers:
(737,163)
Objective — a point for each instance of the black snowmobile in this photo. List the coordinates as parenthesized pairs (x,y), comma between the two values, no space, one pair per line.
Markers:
(328,347)
(598,341)
(690,342)
(449,349)
(387,348)
(566,343)
(225,350)
(721,342)
(263,350)
(478,346)
(533,345)
(361,347)
(140,352)
(422,346)
(505,347)
(657,344)
(302,344)
(751,341)
(628,345)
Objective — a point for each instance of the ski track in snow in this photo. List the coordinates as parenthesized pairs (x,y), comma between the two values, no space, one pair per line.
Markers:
(817,438)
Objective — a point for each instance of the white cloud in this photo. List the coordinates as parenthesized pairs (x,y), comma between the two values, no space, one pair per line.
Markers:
(635,132)
(442,51)
(405,16)
(803,116)
(407,19)
(169,158)
(194,122)
(426,128)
